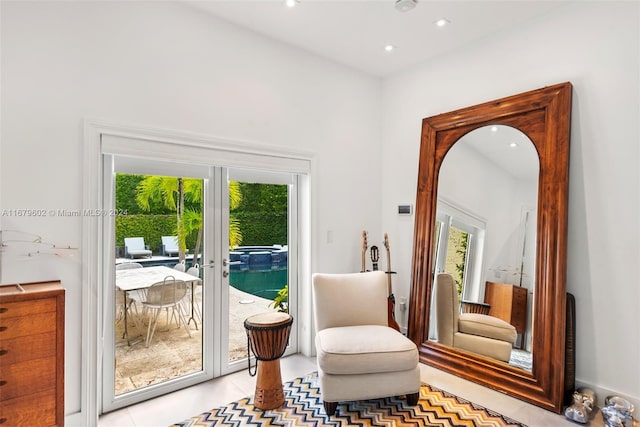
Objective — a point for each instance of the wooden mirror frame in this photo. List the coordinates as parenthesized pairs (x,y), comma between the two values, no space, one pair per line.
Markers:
(543,115)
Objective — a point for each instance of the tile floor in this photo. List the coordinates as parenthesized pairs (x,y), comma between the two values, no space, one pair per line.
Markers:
(177,406)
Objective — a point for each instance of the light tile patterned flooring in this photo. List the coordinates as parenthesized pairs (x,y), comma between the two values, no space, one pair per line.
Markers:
(179,405)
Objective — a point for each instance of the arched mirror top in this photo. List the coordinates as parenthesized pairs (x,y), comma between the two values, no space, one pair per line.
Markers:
(497,148)
(542,115)
(509,147)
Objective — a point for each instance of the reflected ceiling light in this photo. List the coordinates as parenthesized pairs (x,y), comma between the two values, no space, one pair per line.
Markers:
(291,3)
(389,47)
(513,145)
(405,5)
(494,128)
(442,22)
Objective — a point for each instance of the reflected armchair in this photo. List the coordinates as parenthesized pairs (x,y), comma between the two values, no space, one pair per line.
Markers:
(359,356)
(477,333)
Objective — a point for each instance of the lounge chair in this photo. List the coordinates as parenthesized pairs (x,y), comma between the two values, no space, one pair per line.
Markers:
(170,246)
(134,247)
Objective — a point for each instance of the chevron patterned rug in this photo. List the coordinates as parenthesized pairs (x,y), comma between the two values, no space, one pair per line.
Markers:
(303,407)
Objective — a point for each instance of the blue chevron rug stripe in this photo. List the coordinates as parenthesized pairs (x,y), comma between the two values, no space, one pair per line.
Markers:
(303,407)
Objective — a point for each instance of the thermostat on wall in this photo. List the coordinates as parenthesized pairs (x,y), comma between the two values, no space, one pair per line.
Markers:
(405,209)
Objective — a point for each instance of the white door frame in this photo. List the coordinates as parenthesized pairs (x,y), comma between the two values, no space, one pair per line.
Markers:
(169,144)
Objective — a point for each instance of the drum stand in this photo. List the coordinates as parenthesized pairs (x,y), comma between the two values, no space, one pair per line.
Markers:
(269,393)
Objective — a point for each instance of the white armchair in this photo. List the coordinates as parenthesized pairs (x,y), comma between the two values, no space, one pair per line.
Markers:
(477,333)
(359,356)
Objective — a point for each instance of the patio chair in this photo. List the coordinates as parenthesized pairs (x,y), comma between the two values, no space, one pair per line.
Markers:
(170,246)
(130,299)
(195,293)
(139,294)
(134,247)
(165,295)
(128,265)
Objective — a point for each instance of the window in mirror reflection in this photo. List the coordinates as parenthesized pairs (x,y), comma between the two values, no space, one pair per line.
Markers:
(458,244)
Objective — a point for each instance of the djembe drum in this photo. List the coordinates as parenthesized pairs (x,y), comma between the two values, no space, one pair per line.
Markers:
(268,336)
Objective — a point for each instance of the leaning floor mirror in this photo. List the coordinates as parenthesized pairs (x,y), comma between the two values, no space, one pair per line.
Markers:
(491,220)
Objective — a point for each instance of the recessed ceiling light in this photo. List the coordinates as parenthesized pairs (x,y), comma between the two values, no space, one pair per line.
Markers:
(389,47)
(291,3)
(405,5)
(442,22)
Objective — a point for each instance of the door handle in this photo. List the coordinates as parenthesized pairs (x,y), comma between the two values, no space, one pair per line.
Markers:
(225,262)
(210,265)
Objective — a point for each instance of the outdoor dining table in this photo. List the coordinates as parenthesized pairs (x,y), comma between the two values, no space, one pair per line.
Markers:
(137,279)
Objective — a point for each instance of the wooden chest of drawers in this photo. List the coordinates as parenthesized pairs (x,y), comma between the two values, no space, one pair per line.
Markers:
(32,354)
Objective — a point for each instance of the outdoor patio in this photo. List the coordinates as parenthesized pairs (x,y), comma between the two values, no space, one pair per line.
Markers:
(172,353)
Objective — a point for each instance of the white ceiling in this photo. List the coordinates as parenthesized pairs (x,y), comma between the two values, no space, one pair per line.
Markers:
(494,143)
(355,32)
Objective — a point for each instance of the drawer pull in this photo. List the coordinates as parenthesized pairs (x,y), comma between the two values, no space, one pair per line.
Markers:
(3,309)
(3,328)
(3,420)
(2,382)
(3,352)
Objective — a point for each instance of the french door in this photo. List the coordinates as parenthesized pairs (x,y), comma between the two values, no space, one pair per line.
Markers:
(213,341)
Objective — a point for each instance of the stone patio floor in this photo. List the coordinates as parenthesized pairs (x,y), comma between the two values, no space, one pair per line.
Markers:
(172,353)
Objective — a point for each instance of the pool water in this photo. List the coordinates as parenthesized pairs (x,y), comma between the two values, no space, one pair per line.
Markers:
(261,283)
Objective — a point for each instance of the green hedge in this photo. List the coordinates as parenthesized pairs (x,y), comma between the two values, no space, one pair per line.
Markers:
(262,214)
(151,227)
(263,228)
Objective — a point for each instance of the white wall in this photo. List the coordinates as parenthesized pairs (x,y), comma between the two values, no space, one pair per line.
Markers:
(594,45)
(164,65)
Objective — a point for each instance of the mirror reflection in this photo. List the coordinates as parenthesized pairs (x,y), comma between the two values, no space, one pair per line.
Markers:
(485,244)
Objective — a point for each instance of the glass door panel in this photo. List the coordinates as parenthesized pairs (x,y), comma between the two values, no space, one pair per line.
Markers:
(157,339)
(156,326)
(257,264)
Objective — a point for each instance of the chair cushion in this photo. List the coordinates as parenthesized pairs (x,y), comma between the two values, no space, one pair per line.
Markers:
(364,349)
(140,252)
(486,326)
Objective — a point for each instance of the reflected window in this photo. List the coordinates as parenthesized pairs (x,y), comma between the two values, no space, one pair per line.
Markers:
(459,252)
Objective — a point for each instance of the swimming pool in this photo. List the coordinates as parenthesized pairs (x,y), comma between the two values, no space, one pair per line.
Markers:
(258,257)
(261,283)
(259,270)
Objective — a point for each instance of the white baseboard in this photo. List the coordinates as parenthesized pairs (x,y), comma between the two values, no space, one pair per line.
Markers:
(77,419)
